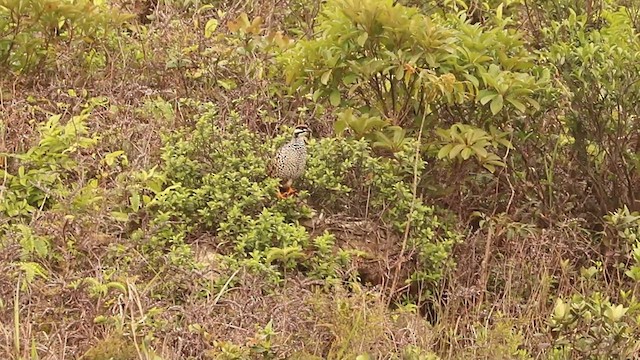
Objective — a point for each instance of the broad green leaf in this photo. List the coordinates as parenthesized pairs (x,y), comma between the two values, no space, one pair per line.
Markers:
(517,104)
(110,158)
(486,97)
(494,162)
(496,104)
(349,79)
(489,167)
(228,84)
(561,310)
(444,151)
(339,126)
(466,153)
(334,98)
(474,80)
(480,151)
(456,150)
(499,11)
(41,246)
(534,103)
(118,286)
(210,27)
(120,216)
(398,134)
(399,73)
(615,313)
(505,142)
(324,79)
(443,133)
(633,273)
(135,201)
(316,95)
(362,39)
(382,140)
(473,136)
(203,8)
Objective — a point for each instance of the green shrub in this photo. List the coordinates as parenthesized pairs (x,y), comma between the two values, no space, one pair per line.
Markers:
(112,348)
(216,184)
(592,327)
(393,61)
(31,29)
(44,174)
(599,67)
(623,234)
(591,324)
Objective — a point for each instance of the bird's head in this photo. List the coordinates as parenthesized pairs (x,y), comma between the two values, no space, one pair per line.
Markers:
(301,132)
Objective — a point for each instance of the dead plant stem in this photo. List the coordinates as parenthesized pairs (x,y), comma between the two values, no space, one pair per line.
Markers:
(405,238)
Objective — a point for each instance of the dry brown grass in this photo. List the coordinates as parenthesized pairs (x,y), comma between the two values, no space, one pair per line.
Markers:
(508,293)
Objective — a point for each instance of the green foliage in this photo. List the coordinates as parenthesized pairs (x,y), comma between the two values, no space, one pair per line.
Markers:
(31,29)
(381,134)
(345,170)
(217,184)
(499,340)
(589,324)
(415,353)
(599,68)
(634,270)
(259,346)
(549,87)
(361,126)
(354,323)
(373,54)
(43,173)
(625,225)
(593,327)
(47,178)
(112,348)
(462,142)
(96,288)
(228,60)
(30,243)
(393,61)
(31,271)
(138,190)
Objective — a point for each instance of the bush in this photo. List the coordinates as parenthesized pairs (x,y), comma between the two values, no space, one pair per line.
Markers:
(31,29)
(393,61)
(217,185)
(38,178)
(600,69)
(594,327)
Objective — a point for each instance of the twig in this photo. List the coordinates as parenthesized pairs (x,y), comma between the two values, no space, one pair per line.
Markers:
(16,316)
(394,282)
(224,287)
(485,264)
(513,192)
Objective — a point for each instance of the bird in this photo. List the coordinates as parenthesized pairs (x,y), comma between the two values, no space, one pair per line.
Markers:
(290,161)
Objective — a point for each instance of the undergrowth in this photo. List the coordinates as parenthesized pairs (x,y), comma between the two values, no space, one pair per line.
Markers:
(470,192)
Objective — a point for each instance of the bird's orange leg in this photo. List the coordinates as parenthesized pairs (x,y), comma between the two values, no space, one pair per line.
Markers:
(290,191)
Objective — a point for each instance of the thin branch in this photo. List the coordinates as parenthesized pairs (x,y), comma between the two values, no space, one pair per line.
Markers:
(407,229)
